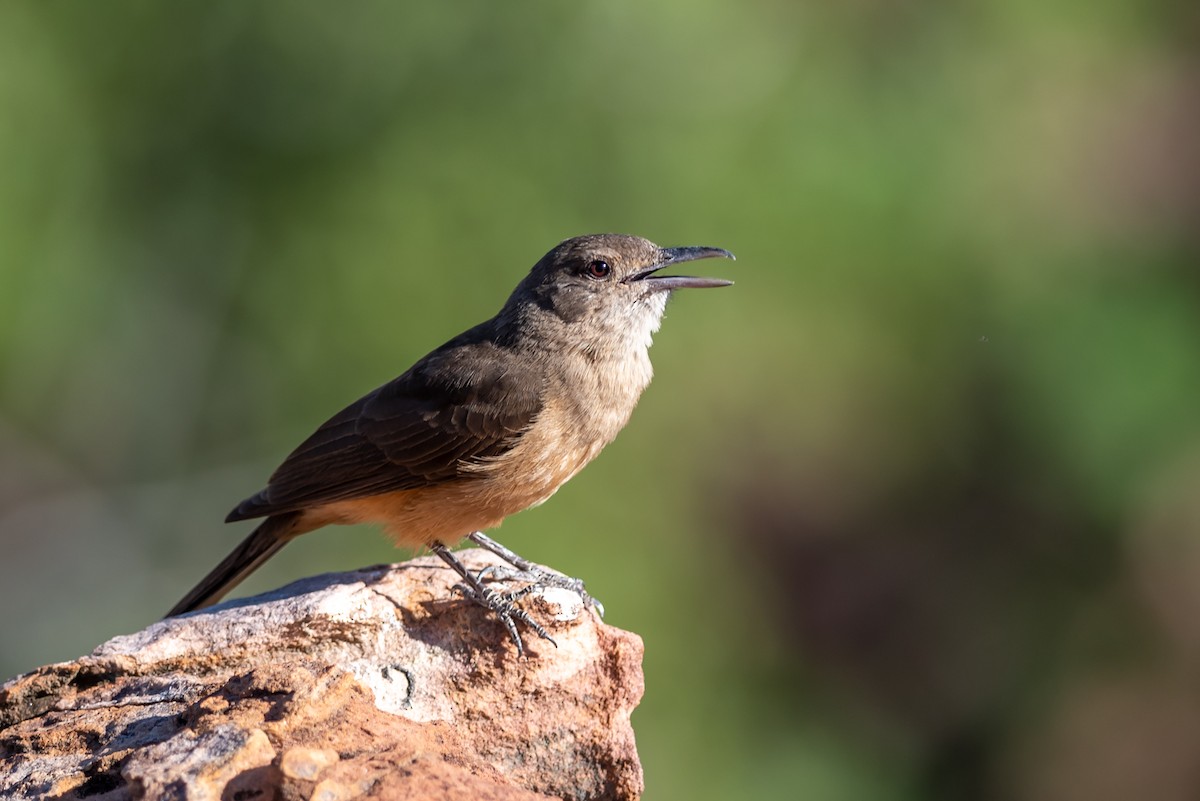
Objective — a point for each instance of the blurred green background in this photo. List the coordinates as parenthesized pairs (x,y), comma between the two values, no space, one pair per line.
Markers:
(912,512)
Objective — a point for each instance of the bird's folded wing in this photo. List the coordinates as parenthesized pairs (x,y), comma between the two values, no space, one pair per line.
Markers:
(454,408)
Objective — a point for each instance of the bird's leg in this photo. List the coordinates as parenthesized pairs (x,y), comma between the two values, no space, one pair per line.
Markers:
(528,571)
(502,603)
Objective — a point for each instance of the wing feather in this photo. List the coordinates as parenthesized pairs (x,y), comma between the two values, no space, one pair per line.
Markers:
(468,401)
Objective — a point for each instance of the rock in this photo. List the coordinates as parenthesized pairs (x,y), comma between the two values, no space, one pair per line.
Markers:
(375,684)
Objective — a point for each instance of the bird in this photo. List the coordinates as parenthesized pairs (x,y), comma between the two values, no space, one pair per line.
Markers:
(489,424)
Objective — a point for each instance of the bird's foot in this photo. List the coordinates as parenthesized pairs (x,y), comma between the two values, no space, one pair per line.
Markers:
(502,604)
(524,570)
(535,578)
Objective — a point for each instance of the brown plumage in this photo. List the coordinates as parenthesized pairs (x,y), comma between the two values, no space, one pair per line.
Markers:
(490,423)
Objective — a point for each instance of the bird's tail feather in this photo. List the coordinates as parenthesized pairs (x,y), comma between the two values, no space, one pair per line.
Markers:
(263,543)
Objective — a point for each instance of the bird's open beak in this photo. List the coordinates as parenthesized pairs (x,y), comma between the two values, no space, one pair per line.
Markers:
(675,256)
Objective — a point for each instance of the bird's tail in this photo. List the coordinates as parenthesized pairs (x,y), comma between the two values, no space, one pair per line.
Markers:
(263,543)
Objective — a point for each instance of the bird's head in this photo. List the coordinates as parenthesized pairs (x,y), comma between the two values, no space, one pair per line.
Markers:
(607,288)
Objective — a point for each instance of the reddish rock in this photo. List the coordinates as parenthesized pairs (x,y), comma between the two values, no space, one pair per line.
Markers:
(376,684)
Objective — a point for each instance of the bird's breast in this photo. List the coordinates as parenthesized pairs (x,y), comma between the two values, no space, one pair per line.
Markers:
(597,396)
(584,407)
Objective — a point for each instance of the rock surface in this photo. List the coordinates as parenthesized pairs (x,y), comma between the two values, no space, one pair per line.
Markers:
(374,684)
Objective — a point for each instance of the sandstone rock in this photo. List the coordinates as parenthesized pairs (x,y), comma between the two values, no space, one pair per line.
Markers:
(375,684)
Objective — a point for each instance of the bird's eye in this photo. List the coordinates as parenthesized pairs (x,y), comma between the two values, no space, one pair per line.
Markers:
(598,269)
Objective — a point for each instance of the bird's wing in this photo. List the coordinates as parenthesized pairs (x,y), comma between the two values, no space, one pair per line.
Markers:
(455,407)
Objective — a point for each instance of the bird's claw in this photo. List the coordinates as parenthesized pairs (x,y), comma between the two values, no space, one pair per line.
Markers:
(474,587)
(536,579)
(503,605)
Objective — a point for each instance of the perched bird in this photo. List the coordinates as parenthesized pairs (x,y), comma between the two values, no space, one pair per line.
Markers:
(491,423)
